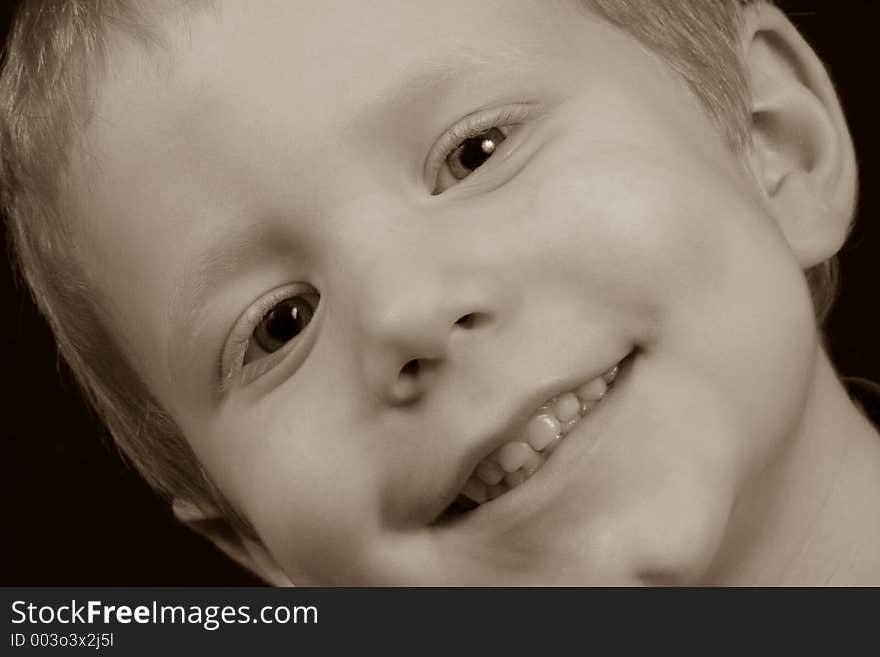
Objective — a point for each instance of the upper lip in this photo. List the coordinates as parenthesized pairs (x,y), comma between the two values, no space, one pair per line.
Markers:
(525,408)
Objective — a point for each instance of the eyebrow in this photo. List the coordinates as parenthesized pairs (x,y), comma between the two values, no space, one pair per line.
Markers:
(434,72)
(228,253)
(199,282)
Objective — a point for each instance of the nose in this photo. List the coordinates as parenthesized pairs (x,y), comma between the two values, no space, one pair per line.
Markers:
(414,318)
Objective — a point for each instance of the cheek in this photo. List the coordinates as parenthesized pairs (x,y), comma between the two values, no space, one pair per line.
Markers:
(300,479)
(662,232)
(729,357)
(623,224)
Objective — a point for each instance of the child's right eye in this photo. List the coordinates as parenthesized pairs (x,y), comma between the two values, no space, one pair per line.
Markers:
(282,323)
(269,330)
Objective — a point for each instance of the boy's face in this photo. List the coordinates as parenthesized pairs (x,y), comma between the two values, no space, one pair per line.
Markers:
(286,150)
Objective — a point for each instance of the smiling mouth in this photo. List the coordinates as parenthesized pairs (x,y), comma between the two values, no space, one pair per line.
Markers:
(516,461)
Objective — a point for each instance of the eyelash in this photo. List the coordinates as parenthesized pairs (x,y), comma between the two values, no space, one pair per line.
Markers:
(232,367)
(469,127)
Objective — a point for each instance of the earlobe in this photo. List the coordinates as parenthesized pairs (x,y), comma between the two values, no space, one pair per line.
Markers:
(244,550)
(802,153)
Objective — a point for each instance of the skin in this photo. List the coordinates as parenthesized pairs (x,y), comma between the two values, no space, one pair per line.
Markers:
(613,220)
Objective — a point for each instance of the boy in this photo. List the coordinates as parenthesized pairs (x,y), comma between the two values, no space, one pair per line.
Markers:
(487,293)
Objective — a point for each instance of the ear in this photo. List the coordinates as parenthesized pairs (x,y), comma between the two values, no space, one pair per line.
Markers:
(244,550)
(802,154)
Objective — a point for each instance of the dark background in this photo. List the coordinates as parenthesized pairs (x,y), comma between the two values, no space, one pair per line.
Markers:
(76,514)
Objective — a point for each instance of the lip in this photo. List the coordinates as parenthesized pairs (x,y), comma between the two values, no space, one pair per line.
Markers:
(510,501)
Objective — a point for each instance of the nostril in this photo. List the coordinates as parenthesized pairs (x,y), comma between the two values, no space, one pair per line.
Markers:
(467,321)
(410,383)
(411,369)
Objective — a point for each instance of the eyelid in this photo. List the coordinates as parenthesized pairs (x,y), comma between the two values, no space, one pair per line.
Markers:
(232,357)
(471,125)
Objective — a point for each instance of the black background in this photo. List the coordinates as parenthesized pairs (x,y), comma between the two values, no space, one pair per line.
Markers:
(76,514)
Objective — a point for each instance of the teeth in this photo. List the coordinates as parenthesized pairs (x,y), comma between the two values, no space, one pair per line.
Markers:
(514,479)
(516,461)
(592,390)
(549,449)
(475,490)
(533,464)
(611,374)
(489,472)
(567,407)
(587,405)
(497,490)
(542,430)
(513,456)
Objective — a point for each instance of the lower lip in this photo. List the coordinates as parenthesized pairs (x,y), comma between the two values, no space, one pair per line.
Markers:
(568,459)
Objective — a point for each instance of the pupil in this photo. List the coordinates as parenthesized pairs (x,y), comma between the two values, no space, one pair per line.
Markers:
(473,152)
(283,323)
(473,155)
(287,319)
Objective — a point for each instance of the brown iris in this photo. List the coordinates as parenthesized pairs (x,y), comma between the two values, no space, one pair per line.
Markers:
(473,152)
(283,322)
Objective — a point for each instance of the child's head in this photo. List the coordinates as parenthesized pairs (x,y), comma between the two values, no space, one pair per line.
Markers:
(321,265)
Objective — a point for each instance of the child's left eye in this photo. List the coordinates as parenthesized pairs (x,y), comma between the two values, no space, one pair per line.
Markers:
(469,145)
(473,152)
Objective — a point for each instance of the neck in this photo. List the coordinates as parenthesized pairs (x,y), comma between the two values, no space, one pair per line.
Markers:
(813,516)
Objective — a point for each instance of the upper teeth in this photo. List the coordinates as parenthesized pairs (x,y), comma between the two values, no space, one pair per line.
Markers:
(516,461)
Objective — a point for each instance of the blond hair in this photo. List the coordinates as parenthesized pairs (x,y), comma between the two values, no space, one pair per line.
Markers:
(55,52)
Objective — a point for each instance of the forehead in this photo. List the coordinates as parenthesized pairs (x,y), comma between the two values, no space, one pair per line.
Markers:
(240,69)
(350,52)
